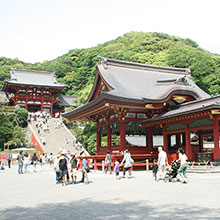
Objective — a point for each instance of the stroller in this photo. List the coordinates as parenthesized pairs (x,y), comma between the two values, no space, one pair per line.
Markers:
(172,171)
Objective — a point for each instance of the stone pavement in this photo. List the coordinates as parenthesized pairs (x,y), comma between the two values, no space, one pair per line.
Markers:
(36,196)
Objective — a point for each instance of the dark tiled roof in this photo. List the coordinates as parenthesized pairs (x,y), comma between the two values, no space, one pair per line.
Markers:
(67,101)
(36,78)
(152,84)
(190,107)
(139,84)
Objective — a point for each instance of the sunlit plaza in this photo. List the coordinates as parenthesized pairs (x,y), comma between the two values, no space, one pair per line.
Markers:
(37,196)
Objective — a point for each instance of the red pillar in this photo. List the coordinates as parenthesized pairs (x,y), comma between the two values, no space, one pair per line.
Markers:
(95,165)
(98,139)
(178,142)
(188,144)
(41,107)
(200,141)
(51,109)
(165,140)
(122,136)
(109,137)
(150,139)
(216,138)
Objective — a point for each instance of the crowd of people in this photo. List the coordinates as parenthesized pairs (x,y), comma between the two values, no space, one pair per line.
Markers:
(67,165)
(161,168)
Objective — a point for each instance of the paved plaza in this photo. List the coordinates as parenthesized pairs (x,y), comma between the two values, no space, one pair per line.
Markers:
(35,196)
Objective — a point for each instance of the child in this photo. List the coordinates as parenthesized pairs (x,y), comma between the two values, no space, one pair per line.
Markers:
(155,169)
(117,170)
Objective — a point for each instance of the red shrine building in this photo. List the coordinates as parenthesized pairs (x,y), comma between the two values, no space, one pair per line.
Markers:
(36,91)
(132,100)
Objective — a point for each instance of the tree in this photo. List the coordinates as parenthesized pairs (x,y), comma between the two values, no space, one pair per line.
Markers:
(22,115)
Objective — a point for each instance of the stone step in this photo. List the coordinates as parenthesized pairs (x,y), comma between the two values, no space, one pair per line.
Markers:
(204,169)
(57,137)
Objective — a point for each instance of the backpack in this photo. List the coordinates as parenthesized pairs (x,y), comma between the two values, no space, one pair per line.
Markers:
(63,164)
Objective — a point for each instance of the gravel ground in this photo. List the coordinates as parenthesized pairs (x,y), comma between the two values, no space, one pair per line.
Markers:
(35,196)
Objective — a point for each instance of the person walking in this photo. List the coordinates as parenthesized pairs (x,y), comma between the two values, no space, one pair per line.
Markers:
(20,160)
(9,161)
(63,168)
(183,165)
(155,169)
(128,164)
(57,169)
(34,160)
(108,162)
(85,170)
(117,170)
(26,162)
(162,163)
(74,165)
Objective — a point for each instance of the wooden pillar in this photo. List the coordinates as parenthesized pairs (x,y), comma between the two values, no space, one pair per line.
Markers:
(41,107)
(188,143)
(150,139)
(109,137)
(26,98)
(95,165)
(178,140)
(169,141)
(200,141)
(42,99)
(122,136)
(98,139)
(51,109)
(216,138)
(165,140)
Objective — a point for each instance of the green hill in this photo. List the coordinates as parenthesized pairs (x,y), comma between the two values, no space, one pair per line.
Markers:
(77,67)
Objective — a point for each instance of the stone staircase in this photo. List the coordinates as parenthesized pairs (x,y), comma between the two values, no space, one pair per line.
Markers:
(57,137)
(203,169)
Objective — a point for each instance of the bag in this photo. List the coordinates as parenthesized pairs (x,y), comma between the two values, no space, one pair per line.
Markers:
(131,161)
(63,164)
(87,169)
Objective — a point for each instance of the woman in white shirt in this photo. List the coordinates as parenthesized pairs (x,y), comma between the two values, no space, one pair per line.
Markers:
(183,164)
(26,162)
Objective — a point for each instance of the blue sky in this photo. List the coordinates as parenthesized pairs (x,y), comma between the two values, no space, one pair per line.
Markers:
(38,30)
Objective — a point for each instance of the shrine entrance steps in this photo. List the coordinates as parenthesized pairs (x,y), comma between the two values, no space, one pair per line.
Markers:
(56,137)
(203,168)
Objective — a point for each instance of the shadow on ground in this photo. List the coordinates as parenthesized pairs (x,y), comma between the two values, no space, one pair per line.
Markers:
(88,209)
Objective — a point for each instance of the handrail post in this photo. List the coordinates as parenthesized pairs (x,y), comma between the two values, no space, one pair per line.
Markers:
(95,165)
(147,164)
(103,166)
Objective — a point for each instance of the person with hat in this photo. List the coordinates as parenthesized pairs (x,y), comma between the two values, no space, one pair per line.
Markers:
(74,165)
(63,167)
(56,168)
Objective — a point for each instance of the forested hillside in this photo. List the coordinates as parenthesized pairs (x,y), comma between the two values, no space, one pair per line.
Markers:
(77,67)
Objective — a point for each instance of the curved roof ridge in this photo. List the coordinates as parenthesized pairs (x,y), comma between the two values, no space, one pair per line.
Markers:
(107,61)
(32,71)
(201,100)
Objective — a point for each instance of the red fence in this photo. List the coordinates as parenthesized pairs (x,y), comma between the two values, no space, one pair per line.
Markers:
(36,144)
